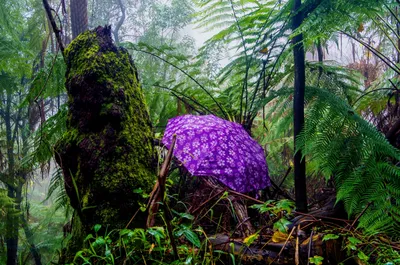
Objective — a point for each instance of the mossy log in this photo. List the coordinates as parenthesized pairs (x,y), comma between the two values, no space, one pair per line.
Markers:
(107,151)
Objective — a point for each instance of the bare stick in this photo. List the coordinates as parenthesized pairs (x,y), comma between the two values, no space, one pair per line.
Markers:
(159,188)
(297,254)
(207,201)
(310,246)
(359,216)
(280,184)
(158,195)
(54,26)
(284,245)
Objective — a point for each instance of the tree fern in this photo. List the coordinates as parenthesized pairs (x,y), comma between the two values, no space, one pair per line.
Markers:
(359,158)
(256,33)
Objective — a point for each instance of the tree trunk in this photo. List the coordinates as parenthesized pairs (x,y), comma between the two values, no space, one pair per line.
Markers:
(79,18)
(12,221)
(120,21)
(29,235)
(107,151)
(398,39)
(320,53)
(12,238)
(298,105)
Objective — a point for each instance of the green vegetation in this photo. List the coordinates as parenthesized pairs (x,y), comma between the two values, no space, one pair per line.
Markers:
(77,130)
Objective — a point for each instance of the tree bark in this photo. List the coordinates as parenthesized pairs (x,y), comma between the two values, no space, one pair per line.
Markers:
(107,151)
(298,105)
(79,17)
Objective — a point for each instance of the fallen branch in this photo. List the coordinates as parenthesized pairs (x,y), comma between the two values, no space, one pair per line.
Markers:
(158,195)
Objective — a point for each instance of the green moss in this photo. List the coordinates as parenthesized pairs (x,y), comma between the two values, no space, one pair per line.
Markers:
(71,136)
(83,49)
(75,243)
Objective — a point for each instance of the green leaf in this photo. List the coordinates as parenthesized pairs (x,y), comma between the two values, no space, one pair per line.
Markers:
(354,240)
(186,216)
(250,239)
(138,191)
(317,260)
(108,253)
(282,225)
(158,233)
(192,237)
(90,236)
(330,237)
(124,232)
(353,243)
(97,228)
(189,260)
(285,205)
(99,242)
(361,255)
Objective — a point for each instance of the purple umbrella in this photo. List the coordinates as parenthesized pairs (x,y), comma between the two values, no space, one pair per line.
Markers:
(210,146)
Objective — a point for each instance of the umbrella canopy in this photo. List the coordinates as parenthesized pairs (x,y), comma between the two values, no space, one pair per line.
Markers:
(210,146)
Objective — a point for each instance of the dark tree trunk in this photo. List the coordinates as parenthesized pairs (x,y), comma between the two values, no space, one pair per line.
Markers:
(12,238)
(320,53)
(393,132)
(298,105)
(398,39)
(107,151)
(79,18)
(12,223)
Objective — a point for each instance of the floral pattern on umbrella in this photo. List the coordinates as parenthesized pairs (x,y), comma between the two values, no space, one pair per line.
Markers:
(210,146)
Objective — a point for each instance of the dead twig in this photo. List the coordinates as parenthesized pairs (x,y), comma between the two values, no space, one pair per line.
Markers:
(321,217)
(359,216)
(158,195)
(245,196)
(133,217)
(158,191)
(297,255)
(54,26)
(309,247)
(207,201)
(280,184)
(284,245)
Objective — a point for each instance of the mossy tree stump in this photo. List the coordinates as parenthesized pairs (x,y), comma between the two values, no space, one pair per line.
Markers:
(107,151)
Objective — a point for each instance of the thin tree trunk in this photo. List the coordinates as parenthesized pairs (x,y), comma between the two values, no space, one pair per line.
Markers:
(398,39)
(298,105)
(12,236)
(29,235)
(79,18)
(23,176)
(120,22)
(320,53)
(12,223)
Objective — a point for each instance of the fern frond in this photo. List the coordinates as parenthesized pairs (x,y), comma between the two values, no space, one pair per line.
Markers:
(357,155)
